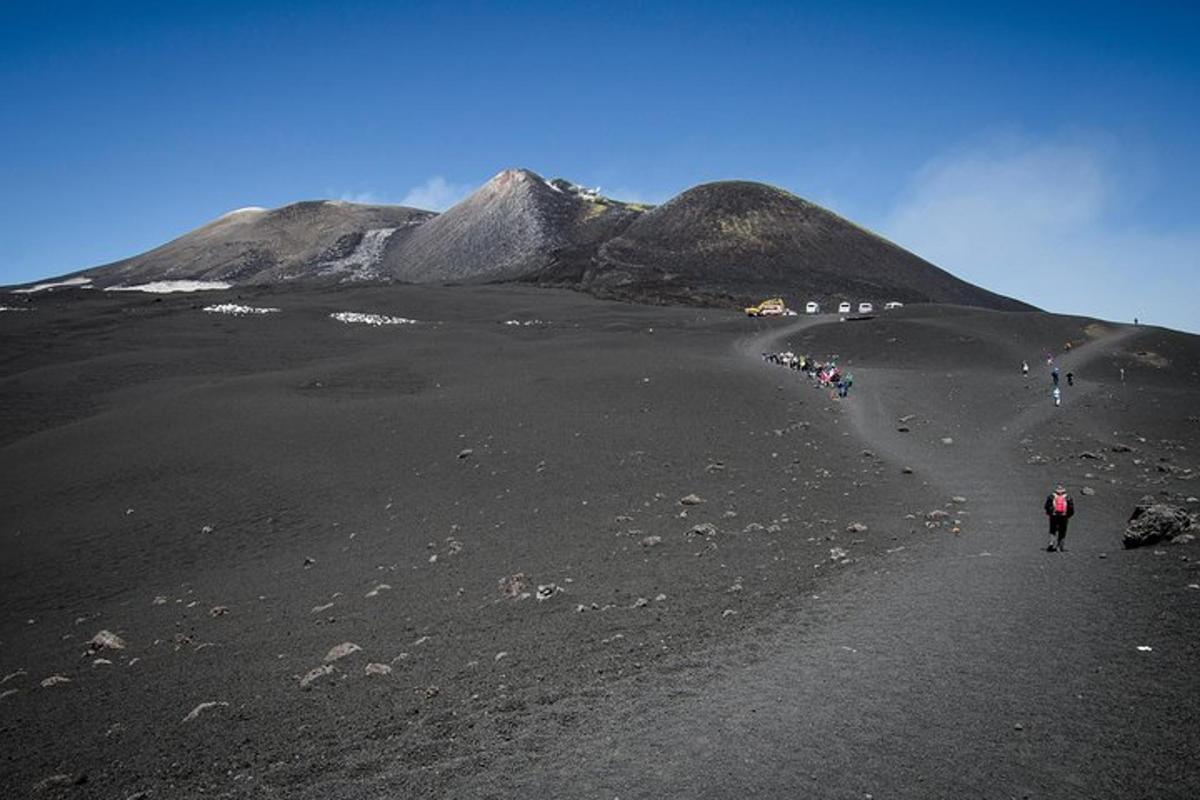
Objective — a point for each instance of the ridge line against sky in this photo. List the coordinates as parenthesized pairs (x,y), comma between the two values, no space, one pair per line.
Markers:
(1043,151)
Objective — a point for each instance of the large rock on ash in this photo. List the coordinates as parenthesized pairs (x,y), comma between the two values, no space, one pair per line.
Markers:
(1153,522)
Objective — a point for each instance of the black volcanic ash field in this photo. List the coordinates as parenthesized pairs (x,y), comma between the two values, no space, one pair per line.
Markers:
(315,541)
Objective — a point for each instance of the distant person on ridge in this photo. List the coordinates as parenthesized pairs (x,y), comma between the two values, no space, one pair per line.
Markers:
(1057,393)
(1060,507)
(1054,375)
(1070,379)
(1025,368)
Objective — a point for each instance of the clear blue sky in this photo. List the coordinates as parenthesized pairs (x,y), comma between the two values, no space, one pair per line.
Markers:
(1048,151)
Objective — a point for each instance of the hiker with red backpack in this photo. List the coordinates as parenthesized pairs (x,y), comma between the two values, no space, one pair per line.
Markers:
(1060,507)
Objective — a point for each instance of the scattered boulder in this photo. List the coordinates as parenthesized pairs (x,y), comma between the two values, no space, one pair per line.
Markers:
(383,587)
(705,529)
(316,673)
(1122,448)
(105,640)
(856,527)
(958,499)
(54,780)
(54,680)
(1087,490)
(947,440)
(651,541)
(691,500)
(341,651)
(547,590)
(1153,522)
(514,587)
(218,611)
(200,709)
(465,453)
(375,668)
(837,554)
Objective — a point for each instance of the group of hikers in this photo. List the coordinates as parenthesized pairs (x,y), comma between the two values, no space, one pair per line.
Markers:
(826,374)
(1056,392)
(1059,505)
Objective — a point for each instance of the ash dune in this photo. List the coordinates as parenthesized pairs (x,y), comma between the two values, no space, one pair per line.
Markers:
(612,553)
(718,244)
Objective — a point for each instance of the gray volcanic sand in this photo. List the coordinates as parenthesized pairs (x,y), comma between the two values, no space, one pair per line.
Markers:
(228,494)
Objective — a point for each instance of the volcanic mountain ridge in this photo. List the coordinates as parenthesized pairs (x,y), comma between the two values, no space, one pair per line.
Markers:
(717,244)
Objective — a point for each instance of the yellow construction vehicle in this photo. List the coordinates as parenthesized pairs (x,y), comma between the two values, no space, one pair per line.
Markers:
(772,307)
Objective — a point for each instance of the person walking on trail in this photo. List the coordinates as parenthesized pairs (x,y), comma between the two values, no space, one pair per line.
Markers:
(1070,379)
(1057,393)
(1060,507)
(1025,368)
(1054,375)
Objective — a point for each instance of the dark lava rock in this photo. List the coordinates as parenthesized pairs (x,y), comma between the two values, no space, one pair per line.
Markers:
(1153,522)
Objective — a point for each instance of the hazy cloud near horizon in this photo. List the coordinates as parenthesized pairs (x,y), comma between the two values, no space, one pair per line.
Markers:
(1043,221)
(436,194)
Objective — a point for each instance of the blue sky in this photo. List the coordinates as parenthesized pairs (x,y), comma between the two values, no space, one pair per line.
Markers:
(1047,151)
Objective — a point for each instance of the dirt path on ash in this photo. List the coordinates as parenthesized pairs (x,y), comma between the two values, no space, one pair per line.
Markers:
(985,668)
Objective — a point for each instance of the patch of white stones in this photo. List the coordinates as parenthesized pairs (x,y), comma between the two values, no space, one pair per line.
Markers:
(356,318)
(239,311)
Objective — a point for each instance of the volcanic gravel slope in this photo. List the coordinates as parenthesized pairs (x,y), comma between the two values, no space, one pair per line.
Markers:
(509,229)
(235,497)
(314,240)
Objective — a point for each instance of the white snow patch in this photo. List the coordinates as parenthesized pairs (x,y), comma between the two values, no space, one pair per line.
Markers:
(351,317)
(169,287)
(12,308)
(239,311)
(246,210)
(80,282)
(525,323)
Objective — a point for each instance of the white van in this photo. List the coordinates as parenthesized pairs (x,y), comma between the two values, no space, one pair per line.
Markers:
(812,308)
(865,308)
(843,308)
(893,304)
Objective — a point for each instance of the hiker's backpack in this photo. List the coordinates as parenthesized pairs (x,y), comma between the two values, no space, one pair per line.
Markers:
(1060,504)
